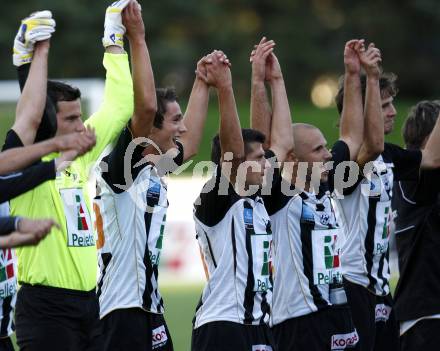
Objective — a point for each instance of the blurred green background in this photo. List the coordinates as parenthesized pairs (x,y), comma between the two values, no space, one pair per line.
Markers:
(310,37)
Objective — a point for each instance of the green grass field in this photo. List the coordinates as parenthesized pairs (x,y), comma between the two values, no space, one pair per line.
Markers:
(180,301)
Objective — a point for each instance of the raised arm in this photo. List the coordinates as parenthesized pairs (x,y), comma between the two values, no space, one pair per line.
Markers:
(231,139)
(32,45)
(261,114)
(145,102)
(352,117)
(196,112)
(117,106)
(281,134)
(373,144)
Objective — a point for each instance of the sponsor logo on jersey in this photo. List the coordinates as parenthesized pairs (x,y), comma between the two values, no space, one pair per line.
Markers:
(326,261)
(382,232)
(307,214)
(157,249)
(331,254)
(153,190)
(79,233)
(382,312)
(8,285)
(261,348)
(159,337)
(386,225)
(324,218)
(248,218)
(344,341)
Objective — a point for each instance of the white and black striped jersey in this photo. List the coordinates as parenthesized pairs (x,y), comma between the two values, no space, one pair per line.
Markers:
(367,214)
(130,222)
(235,237)
(8,284)
(307,241)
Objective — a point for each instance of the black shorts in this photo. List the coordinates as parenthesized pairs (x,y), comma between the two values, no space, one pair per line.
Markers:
(49,318)
(136,330)
(221,336)
(424,335)
(328,329)
(6,344)
(374,318)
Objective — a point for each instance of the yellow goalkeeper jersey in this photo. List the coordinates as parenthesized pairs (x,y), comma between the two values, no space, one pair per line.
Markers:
(67,257)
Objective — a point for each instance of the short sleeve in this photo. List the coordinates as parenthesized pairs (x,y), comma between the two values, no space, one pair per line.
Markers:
(12,140)
(340,153)
(272,192)
(426,190)
(115,161)
(215,200)
(406,162)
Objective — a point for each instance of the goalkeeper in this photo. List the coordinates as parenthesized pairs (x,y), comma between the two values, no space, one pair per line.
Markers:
(57,306)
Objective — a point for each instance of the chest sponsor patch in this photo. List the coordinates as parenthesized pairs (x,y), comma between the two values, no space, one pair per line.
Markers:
(8,281)
(261,245)
(79,224)
(344,341)
(382,312)
(384,218)
(261,348)
(155,243)
(159,337)
(326,261)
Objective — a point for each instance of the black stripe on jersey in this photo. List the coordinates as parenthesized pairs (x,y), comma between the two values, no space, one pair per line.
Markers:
(385,282)
(307,253)
(369,240)
(199,305)
(210,249)
(234,245)
(152,201)
(7,309)
(105,257)
(380,269)
(265,308)
(249,293)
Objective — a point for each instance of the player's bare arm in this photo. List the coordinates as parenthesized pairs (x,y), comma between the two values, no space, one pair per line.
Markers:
(15,159)
(145,104)
(196,112)
(352,117)
(373,144)
(29,232)
(261,114)
(281,133)
(231,140)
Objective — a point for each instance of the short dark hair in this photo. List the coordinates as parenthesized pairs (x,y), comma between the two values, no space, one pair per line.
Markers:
(163,96)
(56,91)
(249,136)
(387,85)
(420,123)
(59,91)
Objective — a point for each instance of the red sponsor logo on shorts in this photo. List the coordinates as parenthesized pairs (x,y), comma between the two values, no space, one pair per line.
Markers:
(159,336)
(261,348)
(344,341)
(382,312)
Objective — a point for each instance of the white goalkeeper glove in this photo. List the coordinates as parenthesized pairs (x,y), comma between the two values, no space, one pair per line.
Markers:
(114,30)
(37,27)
